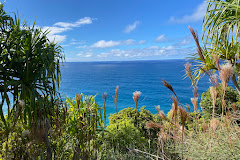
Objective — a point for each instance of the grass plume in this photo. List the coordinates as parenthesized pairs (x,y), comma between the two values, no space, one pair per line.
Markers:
(213,93)
(195,36)
(226,71)
(116,98)
(136,96)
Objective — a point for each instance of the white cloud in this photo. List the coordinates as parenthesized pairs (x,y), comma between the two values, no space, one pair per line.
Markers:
(57,38)
(78,23)
(160,38)
(129,42)
(197,15)
(85,55)
(153,47)
(75,42)
(104,55)
(152,51)
(142,42)
(131,27)
(105,44)
(108,44)
(61,27)
(54,30)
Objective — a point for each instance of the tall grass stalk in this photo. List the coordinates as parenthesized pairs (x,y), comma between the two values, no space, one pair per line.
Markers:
(104,97)
(136,96)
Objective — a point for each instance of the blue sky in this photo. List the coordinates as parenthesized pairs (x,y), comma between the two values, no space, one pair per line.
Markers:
(116,30)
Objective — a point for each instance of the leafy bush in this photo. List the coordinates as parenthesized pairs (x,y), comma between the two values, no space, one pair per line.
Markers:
(123,134)
(231,96)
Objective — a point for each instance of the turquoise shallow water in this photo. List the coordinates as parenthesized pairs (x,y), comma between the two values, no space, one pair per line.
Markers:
(93,78)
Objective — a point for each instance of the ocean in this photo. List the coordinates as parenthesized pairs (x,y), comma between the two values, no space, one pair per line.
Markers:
(95,78)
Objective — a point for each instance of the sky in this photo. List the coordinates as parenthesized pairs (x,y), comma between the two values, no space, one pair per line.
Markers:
(116,30)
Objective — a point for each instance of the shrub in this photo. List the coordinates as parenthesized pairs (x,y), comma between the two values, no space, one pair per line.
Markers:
(231,97)
(124,134)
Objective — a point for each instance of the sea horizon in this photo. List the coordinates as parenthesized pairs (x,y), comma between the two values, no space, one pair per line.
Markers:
(136,60)
(95,78)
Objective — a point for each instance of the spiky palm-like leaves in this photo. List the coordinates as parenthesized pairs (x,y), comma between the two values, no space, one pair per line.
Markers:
(84,123)
(29,71)
(221,26)
(29,67)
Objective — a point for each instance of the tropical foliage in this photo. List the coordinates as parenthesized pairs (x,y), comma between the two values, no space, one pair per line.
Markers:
(231,97)
(30,75)
(220,39)
(37,123)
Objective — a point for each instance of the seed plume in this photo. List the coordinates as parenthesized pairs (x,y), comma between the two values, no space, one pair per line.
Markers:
(213,93)
(136,96)
(153,125)
(78,98)
(160,113)
(189,71)
(195,91)
(183,115)
(226,71)
(195,36)
(116,97)
(195,103)
(116,92)
(214,80)
(168,85)
(174,108)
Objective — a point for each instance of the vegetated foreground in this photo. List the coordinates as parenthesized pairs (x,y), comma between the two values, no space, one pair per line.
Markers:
(40,125)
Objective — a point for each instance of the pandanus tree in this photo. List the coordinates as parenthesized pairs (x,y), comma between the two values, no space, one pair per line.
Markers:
(221,26)
(29,73)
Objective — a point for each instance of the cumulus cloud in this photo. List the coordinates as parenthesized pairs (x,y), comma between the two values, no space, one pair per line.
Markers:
(85,55)
(131,27)
(57,38)
(76,42)
(61,27)
(129,42)
(160,38)
(197,15)
(152,51)
(105,44)
(78,23)
(108,44)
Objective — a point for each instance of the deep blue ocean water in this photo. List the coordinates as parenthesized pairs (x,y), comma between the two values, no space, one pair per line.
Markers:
(93,78)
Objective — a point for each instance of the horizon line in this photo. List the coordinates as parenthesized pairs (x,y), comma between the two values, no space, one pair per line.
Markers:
(127,60)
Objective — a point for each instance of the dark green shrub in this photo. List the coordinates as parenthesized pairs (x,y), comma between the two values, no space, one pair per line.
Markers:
(123,132)
(231,97)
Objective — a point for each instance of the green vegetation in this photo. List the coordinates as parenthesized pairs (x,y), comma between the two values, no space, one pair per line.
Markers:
(30,71)
(40,125)
(231,97)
